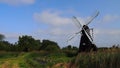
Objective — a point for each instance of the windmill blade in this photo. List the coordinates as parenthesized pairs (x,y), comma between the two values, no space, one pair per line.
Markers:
(73,36)
(84,31)
(78,24)
(92,17)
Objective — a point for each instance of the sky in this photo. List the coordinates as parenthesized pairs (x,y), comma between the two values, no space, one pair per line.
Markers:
(52,20)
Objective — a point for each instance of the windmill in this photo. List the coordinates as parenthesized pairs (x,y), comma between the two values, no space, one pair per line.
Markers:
(86,40)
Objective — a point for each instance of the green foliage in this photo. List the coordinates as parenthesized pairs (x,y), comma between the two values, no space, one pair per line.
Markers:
(42,59)
(27,43)
(1,37)
(70,48)
(22,65)
(45,59)
(50,46)
(5,45)
(70,51)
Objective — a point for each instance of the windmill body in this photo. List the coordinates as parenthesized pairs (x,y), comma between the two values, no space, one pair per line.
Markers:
(85,44)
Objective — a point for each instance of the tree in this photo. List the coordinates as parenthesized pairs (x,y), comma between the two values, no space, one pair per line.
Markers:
(1,37)
(5,46)
(27,43)
(50,46)
(70,51)
(69,47)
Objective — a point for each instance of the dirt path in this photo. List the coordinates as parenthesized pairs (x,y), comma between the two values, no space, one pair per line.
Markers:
(10,63)
(5,65)
(13,62)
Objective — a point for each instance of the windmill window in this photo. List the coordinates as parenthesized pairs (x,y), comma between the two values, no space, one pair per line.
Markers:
(83,43)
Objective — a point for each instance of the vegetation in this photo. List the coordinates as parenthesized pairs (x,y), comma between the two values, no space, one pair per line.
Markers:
(27,43)
(32,59)
(1,37)
(50,46)
(109,58)
(44,60)
(31,53)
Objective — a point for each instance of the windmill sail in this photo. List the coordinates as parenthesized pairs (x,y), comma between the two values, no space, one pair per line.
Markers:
(92,17)
(84,31)
(72,36)
(77,23)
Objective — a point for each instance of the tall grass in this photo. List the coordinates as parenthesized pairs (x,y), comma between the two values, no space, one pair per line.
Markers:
(106,59)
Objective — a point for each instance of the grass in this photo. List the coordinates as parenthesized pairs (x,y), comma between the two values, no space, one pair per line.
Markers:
(106,59)
(100,59)
(31,59)
(8,54)
(44,60)
(12,60)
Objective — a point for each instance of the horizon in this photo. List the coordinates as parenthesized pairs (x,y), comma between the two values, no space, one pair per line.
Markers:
(52,20)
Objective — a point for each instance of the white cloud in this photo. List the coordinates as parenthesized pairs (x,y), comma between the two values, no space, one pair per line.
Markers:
(107,31)
(112,32)
(11,35)
(106,37)
(109,18)
(51,18)
(60,27)
(17,2)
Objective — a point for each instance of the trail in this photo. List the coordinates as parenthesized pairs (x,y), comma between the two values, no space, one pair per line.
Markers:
(10,63)
(14,62)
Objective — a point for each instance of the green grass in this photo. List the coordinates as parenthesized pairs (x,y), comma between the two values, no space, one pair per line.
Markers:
(43,60)
(8,54)
(32,59)
(106,59)
(12,60)
(100,59)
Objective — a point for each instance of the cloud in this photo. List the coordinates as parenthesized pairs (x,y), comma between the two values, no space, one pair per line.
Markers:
(17,2)
(112,32)
(60,26)
(11,35)
(109,18)
(107,31)
(51,18)
(106,37)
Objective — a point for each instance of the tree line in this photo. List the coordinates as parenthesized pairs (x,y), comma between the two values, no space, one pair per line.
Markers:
(28,43)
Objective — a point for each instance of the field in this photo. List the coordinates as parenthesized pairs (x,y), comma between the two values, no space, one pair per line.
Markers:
(103,59)
(31,60)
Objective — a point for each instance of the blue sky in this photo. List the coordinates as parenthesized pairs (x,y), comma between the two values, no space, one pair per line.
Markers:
(52,19)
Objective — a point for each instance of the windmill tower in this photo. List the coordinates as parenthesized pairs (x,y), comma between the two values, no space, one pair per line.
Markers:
(86,40)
